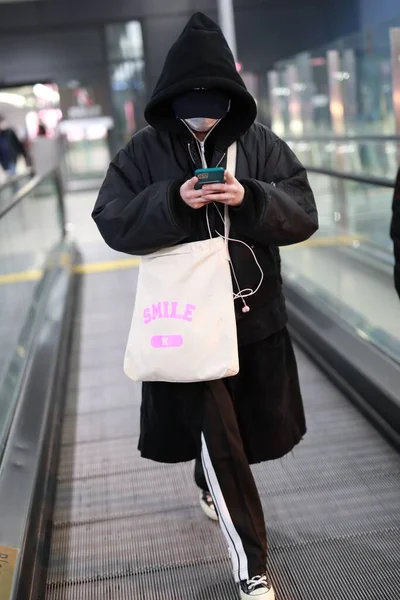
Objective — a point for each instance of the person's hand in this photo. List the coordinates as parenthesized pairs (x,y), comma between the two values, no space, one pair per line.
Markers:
(231,192)
(193,198)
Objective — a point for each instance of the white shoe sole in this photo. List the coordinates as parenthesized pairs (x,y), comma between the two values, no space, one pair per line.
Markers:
(270,595)
(211,514)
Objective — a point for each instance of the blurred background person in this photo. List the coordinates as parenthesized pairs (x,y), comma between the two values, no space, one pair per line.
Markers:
(11,148)
(45,152)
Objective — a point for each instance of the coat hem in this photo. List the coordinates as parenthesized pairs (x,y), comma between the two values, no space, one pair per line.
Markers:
(264,457)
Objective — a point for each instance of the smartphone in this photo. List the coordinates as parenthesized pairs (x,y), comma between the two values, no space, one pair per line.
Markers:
(206,176)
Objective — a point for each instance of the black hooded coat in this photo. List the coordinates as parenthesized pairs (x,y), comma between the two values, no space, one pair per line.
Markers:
(395,232)
(139,210)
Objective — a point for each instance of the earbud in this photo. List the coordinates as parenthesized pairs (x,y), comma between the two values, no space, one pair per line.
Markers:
(242,294)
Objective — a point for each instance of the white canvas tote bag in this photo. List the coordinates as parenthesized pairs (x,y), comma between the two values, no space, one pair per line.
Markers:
(183,326)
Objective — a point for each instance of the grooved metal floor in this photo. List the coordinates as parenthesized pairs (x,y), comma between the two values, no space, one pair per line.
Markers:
(125,528)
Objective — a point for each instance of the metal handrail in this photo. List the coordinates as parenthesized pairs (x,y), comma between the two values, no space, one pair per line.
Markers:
(378,181)
(25,191)
(344,138)
(15,179)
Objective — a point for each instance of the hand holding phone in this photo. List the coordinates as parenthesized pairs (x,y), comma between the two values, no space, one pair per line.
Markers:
(227,191)
(209,176)
(191,196)
(231,192)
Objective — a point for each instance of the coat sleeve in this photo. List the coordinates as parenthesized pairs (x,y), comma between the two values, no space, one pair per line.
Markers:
(395,233)
(280,209)
(137,218)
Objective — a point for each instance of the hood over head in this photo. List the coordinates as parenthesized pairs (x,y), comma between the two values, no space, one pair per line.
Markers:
(201,59)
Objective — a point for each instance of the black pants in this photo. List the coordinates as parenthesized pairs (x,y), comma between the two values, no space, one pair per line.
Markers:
(224,471)
(199,475)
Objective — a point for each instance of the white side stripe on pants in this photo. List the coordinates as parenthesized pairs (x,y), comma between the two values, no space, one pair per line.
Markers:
(238,555)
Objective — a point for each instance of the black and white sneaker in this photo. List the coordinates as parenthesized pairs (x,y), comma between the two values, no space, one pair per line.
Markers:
(258,587)
(207,504)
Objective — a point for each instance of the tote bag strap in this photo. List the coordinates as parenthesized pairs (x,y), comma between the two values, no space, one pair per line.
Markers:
(231,167)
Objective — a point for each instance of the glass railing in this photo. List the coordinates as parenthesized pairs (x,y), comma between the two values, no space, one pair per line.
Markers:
(370,156)
(348,265)
(343,88)
(30,227)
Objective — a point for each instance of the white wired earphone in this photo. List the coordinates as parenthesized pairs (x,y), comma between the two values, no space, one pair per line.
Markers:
(246,293)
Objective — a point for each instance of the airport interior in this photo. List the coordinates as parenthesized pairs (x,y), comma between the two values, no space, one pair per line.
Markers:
(82,515)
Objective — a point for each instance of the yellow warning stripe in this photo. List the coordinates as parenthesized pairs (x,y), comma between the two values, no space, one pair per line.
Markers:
(334,240)
(109,265)
(97,267)
(33,275)
(129,263)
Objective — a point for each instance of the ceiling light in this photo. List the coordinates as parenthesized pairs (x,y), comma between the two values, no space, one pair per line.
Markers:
(45,92)
(13,99)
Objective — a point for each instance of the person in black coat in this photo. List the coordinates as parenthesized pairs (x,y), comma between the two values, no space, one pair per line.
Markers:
(10,148)
(395,232)
(199,107)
